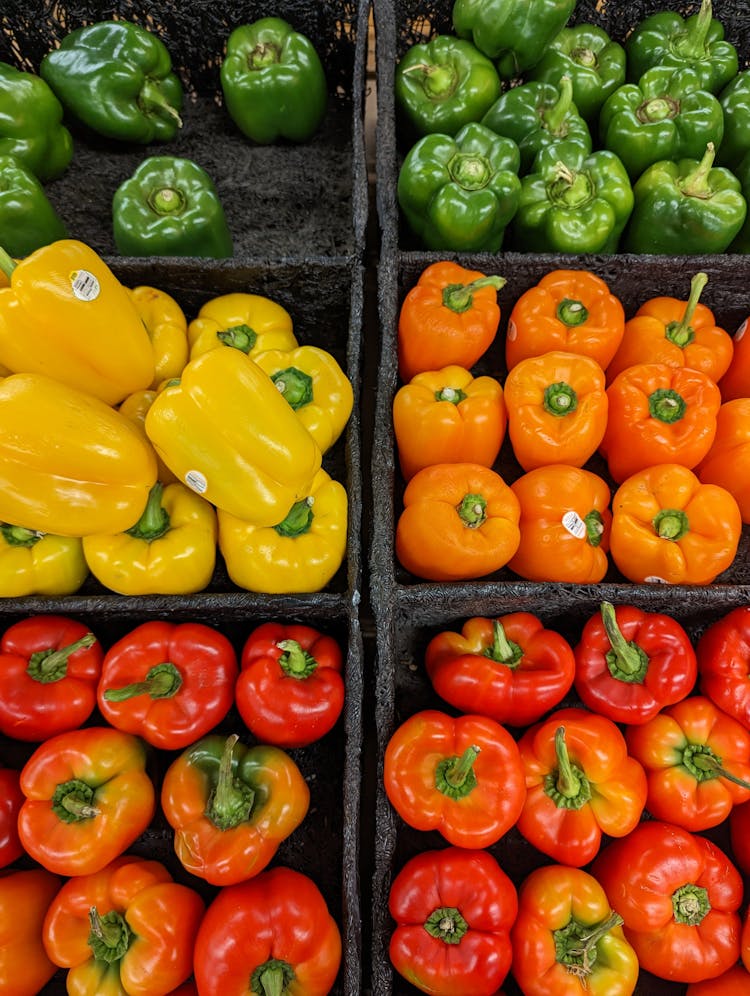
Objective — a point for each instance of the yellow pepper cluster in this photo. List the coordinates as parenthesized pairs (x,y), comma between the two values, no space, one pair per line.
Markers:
(136,446)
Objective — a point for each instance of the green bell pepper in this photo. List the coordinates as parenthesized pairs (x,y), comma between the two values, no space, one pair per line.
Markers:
(31,126)
(116,78)
(667,39)
(594,63)
(664,116)
(741,242)
(443,84)
(515,33)
(27,219)
(459,193)
(536,115)
(735,104)
(685,208)
(170,207)
(572,202)
(273,82)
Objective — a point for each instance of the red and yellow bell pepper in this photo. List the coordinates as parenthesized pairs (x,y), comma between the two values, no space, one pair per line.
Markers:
(166,325)
(34,563)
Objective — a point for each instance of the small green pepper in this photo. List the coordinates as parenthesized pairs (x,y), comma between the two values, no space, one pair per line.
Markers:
(27,219)
(31,126)
(735,104)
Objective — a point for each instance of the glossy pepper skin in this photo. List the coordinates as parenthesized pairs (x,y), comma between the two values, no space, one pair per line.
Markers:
(678,895)
(27,218)
(460,192)
(460,776)
(129,928)
(11,800)
(25,897)
(88,798)
(231,806)
(739,823)
(167,329)
(735,382)
(134,408)
(733,100)
(511,669)
(168,683)
(734,980)
(723,653)
(274,933)
(727,463)
(116,77)
(31,127)
(453,910)
(251,323)
(33,563)
(273,82)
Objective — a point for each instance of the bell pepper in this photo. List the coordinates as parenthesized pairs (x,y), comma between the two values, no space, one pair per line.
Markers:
(167,329)
(168,683)
(567,940)
(668,527)
(723,653)
(733,100)
(580,784)
(170,207)
(593,61)
(273,82)
(665,115)
(658,414)
(442,84)
(11,800)
(27,217)
(450,317)
(31,127)
(231,806)
(88,798)
(460,776)
(677,332)
(49,669)
(557,409)
(226,432)
(565,523)
(735,382)
(116,77)
(569,310)
(536,115)
(727,463)
(271,935)
(460,192)
(51,320)
(312,381)
(739,835)
(735,980)
(511,668)
(572,202)
(249,322)
(514,33)
(741,241)
(34,563)
(630,664)
(696,42)
(301,553)
(171,549)
(448,416)
(25,897)
(459,521)
(678,895)
(290,691)
(453,910)
(134,408)
(129,928)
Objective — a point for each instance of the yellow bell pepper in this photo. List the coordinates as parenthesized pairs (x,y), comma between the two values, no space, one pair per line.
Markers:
(226,432)
(69,464)
(33,563)
(66,315)
(249,322)
(134,407)
(315,386)
(167,329)
(300,554)
(171,550)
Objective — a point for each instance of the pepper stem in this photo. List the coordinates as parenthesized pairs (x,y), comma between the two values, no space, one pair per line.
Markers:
(7,264)
(240,337)
(690,904)
(682,333)
(272,978)
(446,924)
(626,660)
(554,117)
(696,183)
(671,524)
(460,297)
(692,43)
(294,661)
(109,936)
(152,100)
(72,801)
(162,681)
(567,785)
(704,764)
(154,521)
(572,313)
(453,394)
(666,405)
(295,386)
(503,650)
(472,511)
(231,801)
(47,666)
(560,399)
(576,944)
(19,535)
(439,81)
(455,776)
(298,519)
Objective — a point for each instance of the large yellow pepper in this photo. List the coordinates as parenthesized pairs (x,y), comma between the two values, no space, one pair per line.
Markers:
(167,329)
(249,322)
(226,432)
(69,464)
(315,386)
(300,554)
(33,563)
(66,315)
(171,550)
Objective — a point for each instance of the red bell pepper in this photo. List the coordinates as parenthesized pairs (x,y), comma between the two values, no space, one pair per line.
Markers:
(678,895)
(169,683)
(453,910)
(631,663)
(739,834)
(49,667)
(273,935)
(290,691)
(510,668)
(732,983)
(11,800)
(25,897)
(461,777)
(723,654)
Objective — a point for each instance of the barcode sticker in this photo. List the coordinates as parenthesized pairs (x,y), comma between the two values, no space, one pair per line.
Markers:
(196,481)
(574,524)
(85,285)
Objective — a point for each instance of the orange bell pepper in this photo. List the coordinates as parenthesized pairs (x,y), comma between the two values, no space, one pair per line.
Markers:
(668,527)
(557,409)
(680,333)
(460,521)
(569,310)
(451,316)
(727,463)
(736,381)
(448,416)
(565,524)
(25,897)
(659,414)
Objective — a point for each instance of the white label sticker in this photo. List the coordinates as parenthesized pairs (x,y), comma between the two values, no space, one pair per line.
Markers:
(740,331)
(196,481)
(512,331)
(654,579)
(574,524)
(85,285)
